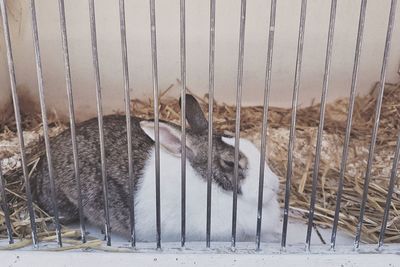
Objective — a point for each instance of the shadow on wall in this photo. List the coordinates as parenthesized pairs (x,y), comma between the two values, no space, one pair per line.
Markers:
(28,105)
(15,17)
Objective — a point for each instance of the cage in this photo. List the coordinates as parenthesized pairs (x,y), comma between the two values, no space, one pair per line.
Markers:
(255,69)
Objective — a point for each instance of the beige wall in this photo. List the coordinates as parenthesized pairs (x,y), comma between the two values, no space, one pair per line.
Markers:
(5,96)
(227,23)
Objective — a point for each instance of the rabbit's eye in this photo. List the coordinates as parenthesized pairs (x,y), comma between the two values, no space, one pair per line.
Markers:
(227,163)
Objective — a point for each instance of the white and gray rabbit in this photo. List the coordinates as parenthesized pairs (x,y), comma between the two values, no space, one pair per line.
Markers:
(143,147)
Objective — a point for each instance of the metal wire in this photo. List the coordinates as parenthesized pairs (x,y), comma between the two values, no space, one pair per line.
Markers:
(107,227)
(328,60)
(211,60)
(4,207)
(156,116)
(183,120)
(393,178)
(267,90)
(39,73)
(357,55)
(237,120)
(127,98)
(292,134)
(376,123)
(17,113)
(67,70)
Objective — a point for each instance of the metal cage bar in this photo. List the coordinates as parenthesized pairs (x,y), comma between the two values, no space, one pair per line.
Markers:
(325,85)
(4,206)
(267,89)
(376,122)
(183,119)
(156,116)
(393,178)
(292,134)
(211,61)
(92,16)
(71,110)
(17,113)
(239,85)
(127,98)
(357,55)
(43,110)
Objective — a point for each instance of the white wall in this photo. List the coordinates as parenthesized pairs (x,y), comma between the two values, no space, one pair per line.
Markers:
(227,31)
(45,259)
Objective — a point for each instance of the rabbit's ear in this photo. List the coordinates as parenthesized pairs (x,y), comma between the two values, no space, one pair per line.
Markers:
(170,137)
(194,115)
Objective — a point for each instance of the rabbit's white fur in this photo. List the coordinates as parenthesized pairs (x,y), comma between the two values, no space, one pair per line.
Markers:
(196,195)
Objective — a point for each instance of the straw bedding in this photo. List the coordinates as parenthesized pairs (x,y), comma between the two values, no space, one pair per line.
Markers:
(277,138)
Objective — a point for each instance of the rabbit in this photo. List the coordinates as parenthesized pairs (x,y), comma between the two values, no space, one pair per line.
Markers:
(143,146)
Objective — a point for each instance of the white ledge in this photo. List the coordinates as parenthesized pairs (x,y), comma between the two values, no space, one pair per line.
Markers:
(50,259)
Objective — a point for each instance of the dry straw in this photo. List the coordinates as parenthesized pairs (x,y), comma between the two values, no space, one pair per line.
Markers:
(278,134)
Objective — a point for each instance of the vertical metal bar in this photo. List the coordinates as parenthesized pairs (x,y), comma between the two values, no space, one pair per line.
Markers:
(68,80)
(292,134)
(328,60)
(376,123)
(239,84)
(17,113)
(4,206)
(156,116)
(44,119)
(267,89)
(357,55)
(183,121)
(211,60)
(393,178)
(128,120)
(100,119)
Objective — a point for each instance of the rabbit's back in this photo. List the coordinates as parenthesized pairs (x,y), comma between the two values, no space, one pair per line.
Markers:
(116,154)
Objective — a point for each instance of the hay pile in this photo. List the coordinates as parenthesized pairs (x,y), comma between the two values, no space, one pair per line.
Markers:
(278,136)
